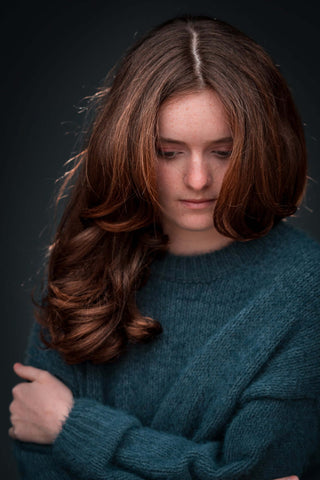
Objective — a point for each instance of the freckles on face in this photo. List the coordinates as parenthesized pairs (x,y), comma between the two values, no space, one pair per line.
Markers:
(194,147)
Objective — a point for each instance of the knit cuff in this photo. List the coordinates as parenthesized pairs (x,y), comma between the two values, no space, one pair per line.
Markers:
(90,436)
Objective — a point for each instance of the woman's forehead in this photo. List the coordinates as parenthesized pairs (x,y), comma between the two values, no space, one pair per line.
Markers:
(199,115)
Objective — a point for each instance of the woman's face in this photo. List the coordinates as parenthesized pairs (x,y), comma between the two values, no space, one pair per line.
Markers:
(192,158)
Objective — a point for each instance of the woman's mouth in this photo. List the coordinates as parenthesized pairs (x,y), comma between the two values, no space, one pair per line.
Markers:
(198,204)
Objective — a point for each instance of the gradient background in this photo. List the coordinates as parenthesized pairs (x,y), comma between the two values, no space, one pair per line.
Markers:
(53,56)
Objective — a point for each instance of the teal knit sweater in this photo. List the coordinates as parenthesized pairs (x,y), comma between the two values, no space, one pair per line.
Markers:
(229,391)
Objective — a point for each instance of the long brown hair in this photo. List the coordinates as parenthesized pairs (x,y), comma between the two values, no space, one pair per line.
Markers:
(110,231)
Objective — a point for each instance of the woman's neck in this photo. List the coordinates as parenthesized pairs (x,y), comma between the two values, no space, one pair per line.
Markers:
(194,243)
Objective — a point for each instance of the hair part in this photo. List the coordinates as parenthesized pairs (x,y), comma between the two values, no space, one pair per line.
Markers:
(110,231)
(197,59)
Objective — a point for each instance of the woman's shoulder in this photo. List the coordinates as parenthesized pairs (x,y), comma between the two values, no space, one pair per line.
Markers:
(289,300)
(293,252)
(287,272)
(299,240)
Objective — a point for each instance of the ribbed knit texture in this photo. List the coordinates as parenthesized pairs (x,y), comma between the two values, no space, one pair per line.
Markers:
(230,390)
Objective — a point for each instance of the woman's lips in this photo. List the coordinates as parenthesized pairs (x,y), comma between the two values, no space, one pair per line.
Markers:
(198,204)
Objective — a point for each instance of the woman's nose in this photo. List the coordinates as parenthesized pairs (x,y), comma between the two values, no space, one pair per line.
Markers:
(197,175)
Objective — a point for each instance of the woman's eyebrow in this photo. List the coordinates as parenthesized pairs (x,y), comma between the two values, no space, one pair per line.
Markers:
(178,142)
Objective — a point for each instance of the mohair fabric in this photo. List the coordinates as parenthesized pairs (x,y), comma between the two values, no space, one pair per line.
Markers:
(229,391)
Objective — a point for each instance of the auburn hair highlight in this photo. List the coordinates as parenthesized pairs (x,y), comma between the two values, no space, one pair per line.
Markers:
(110,230)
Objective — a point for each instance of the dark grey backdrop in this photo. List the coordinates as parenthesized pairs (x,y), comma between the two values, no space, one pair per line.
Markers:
(54,54)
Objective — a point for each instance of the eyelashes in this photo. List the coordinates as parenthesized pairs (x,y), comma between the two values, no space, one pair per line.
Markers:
(165,154)
(222,153)
(170,155)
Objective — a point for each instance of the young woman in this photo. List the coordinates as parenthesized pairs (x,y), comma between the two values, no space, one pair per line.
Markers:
(181,312)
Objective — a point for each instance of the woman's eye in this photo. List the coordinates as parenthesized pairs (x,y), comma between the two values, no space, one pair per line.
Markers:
(222,153)
(166,154)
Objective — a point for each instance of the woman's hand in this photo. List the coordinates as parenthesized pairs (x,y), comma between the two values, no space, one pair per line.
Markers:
(288,478)
(39,407)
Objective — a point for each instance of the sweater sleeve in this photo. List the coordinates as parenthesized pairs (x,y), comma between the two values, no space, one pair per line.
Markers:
(36,462)
(261,442)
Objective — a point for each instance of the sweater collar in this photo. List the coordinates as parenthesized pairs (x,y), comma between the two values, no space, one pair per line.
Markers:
(202,268)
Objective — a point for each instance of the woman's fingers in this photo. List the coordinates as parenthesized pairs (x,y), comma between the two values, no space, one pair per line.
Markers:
(27,372)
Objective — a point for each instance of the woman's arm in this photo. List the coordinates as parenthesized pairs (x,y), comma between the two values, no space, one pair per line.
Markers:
(95,438)
(259,444)
(36,461)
